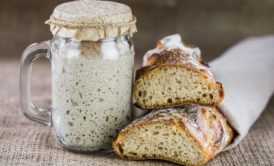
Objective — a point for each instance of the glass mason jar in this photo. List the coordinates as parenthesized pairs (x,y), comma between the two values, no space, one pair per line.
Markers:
(91,89)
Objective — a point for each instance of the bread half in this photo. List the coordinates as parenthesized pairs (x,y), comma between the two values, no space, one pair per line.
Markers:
(174,78)
(188,135)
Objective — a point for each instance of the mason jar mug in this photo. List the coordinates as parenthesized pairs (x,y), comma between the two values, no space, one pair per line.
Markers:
(91,89)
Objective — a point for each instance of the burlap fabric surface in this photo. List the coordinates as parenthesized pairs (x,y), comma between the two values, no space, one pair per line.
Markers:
(23,142)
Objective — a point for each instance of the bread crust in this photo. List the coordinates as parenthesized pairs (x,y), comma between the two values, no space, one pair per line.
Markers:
(122,135)
(143,72)
(176,56)
(210,133)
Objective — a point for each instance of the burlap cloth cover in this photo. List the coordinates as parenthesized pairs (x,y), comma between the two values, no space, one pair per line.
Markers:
(92,20)
(23,142)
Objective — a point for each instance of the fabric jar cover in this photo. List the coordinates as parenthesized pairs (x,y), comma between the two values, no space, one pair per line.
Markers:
(92,20)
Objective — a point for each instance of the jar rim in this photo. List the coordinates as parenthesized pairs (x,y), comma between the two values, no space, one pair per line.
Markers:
(110,39)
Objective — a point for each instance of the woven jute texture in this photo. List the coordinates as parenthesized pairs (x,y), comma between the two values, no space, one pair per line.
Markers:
(23,142)
(92,20)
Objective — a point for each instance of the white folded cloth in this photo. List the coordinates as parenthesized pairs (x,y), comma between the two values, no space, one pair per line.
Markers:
(247,73)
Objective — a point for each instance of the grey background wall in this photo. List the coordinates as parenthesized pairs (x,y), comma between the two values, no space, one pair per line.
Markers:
(213,25)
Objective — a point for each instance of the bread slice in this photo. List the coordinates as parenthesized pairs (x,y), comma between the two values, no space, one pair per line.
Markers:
(188,135)
(174,78)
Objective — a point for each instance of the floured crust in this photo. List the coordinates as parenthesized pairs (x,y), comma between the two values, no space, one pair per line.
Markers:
(124,132)
(176,58)
(205,125)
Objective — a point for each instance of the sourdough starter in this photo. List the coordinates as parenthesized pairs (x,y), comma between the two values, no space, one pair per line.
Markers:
(91,88)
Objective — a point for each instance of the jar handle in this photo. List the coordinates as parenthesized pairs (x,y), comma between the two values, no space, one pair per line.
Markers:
(30,54)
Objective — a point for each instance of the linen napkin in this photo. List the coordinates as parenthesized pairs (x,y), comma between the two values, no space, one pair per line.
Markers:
(246,71)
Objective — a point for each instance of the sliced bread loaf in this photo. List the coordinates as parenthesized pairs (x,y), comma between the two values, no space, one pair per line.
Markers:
(173,78)
(188,135)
